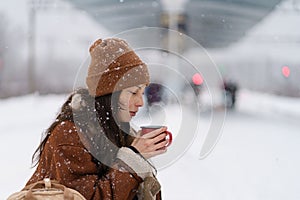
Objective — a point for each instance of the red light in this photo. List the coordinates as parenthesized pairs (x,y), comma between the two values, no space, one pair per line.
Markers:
(285,71)
(197,79)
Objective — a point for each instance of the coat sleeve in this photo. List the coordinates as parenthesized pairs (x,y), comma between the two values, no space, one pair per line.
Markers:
(73,167)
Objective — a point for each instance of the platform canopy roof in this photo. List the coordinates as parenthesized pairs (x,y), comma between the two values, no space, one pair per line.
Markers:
(212,23)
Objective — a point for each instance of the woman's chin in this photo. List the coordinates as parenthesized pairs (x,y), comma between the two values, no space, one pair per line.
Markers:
(125,119)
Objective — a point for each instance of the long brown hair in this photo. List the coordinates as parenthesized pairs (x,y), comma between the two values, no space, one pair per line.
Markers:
(97,126)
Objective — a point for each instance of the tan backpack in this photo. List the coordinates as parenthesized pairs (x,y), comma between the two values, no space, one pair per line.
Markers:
(46,190)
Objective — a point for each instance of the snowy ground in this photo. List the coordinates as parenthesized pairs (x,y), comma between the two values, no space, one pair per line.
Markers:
(255,159)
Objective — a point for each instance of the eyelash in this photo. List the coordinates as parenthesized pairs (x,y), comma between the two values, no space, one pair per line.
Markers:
(133,92)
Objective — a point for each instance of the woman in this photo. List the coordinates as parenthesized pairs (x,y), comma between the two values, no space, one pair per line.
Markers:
(90,147)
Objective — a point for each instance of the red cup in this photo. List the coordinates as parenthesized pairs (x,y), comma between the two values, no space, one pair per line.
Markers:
(147,129)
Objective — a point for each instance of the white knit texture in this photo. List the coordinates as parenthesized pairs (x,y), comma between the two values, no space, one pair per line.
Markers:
(135,162)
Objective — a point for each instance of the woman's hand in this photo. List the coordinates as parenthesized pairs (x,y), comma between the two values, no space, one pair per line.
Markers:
(152,143)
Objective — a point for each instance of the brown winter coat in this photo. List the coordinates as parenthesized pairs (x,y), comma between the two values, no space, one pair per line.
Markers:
(66,160)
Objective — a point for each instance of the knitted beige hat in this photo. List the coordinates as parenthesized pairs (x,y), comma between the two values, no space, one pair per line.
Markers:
(114,66)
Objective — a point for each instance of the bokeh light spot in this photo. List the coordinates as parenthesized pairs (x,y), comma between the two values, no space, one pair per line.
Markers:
(285,71)
(197,79)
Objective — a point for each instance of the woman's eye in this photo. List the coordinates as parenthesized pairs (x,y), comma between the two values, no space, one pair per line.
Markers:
(133,92)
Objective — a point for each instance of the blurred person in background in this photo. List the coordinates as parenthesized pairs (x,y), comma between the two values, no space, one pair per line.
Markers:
(230,88)
(91,147)
(153,93)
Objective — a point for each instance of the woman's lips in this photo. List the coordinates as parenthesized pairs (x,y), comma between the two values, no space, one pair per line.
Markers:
(132,113)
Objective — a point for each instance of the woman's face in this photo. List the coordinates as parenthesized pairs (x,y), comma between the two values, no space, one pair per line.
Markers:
(129,102)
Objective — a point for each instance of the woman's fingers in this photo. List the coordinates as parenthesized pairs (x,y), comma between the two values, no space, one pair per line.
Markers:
(152,143)
(161,144)
(160,137)
(157,143)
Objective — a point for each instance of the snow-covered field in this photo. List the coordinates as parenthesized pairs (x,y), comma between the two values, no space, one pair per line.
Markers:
(256,157)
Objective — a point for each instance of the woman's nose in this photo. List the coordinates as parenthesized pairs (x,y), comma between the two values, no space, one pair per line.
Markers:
(139,101)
